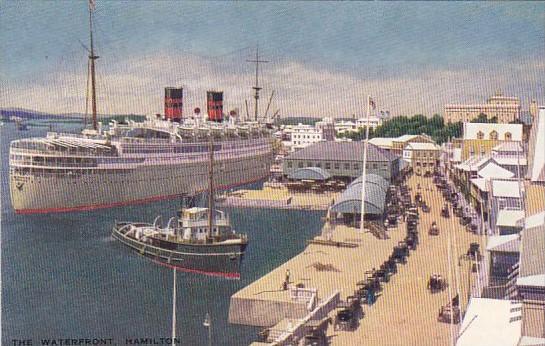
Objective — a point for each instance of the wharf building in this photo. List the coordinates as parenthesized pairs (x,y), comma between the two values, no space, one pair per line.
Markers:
(505,109)
(349,203)
(343,160)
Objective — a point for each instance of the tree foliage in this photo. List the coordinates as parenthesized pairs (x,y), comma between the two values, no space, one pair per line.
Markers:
(418,124)
(483,118)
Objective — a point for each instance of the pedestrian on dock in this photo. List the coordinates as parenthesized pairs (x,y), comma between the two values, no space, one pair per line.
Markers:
(286,280)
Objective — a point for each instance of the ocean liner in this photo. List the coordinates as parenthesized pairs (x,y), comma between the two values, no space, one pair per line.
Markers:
(135,162)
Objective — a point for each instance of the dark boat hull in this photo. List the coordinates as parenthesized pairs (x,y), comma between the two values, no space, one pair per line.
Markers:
(211,259)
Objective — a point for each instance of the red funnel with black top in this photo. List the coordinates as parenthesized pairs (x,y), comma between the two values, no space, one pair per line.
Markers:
(174,99)
(214,105)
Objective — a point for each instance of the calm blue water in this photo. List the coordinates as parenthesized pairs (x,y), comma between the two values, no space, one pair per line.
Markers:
(64,277)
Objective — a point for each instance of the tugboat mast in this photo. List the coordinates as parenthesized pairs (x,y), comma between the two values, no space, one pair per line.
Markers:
(92,58)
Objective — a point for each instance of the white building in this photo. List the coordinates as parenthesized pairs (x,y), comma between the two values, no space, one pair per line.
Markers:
(374,122)
(353,126)
(536,152)
(492,131)
(304,135)
(345,126)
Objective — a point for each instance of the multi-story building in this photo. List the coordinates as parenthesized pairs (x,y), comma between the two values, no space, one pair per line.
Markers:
(327,127)
(422,157)
(343,160)
(481,138)
(304,135)
(505,109)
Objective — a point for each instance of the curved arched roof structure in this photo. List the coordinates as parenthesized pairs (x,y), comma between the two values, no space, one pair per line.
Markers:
(310,173)
(372,179)
(375,196)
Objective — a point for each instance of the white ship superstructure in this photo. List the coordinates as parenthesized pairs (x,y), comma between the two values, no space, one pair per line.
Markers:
(132,163)
(136,162)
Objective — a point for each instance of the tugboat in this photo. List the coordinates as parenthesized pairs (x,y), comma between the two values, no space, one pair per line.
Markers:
(200,241)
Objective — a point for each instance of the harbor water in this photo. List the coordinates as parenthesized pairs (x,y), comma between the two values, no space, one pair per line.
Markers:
(63,276)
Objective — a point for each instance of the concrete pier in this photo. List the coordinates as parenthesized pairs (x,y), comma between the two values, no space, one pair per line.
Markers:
(278,198)
(405,313)
(325,268)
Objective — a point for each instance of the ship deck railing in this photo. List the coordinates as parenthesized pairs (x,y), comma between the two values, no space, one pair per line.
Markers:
(61,153)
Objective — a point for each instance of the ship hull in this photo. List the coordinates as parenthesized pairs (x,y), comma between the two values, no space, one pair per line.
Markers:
(212,259)
(51,194)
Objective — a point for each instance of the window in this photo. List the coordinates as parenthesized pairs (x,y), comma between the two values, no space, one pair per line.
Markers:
(480,135)
(309,164)
(327,165)
(493,135)
(300,164)
(337,165)
(508,136)
(318,164)
(356,166)
(347,165)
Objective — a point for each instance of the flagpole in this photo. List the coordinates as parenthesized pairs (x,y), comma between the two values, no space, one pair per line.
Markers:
(364,170)
(174,306)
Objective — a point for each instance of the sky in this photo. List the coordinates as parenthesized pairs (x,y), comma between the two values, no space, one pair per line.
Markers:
(324,58)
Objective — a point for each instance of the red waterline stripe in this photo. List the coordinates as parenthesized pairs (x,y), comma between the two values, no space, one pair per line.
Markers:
(196,271)
(120,204)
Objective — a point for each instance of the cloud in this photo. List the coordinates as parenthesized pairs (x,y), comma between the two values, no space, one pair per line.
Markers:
(136,86)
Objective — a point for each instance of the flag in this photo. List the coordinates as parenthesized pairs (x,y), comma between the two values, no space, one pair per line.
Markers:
(384,114)
(92,5)
(372,104)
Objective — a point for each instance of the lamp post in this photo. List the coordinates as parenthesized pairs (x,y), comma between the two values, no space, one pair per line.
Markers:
(208,324)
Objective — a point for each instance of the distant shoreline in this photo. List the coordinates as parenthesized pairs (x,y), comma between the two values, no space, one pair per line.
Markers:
(27,114)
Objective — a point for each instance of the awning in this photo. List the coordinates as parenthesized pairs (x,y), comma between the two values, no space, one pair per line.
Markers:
(480,183)
(533,220)
(507,188)
(509,218)
(492,170)
(310,173)
(491,322)
(504,243)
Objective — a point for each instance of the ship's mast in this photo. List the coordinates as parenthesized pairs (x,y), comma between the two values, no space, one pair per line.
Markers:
(211,186)
(92,58)
(256,87)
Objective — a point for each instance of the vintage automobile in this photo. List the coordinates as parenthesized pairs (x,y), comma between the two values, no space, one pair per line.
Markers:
(434,230)
(436,283)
